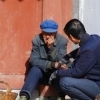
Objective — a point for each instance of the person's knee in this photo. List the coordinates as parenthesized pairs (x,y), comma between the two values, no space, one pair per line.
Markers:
(65,82)
(62,82)
(35,70)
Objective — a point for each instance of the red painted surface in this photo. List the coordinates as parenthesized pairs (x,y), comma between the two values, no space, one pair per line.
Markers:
(19,23)
(60,11)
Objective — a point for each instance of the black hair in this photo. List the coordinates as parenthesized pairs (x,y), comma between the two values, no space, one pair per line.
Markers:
(75,28)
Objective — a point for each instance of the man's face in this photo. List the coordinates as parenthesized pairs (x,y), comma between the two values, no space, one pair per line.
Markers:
(48,37)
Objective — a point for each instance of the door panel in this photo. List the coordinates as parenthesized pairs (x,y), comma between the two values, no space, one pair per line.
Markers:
(19,24)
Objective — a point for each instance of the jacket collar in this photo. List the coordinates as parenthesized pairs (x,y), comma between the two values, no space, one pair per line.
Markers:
(85,36)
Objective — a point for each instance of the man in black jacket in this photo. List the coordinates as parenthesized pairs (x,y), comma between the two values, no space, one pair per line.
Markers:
(82,80)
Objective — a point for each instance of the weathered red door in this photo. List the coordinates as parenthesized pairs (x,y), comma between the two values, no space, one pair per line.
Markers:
(19,23)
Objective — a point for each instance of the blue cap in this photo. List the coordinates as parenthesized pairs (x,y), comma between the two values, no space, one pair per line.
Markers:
(49,26)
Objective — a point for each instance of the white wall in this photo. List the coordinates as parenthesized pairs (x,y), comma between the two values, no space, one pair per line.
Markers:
(89,14)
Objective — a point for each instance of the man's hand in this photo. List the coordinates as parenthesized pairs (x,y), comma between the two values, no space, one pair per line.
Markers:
(56,65)
(53,76)
(50,41)
(64,66)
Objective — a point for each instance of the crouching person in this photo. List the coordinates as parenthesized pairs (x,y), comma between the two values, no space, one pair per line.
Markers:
(48,48)
(82,80)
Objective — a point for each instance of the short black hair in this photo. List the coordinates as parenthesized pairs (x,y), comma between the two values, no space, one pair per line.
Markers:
(75,28)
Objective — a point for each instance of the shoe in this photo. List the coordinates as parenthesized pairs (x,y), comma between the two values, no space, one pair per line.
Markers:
(60,98)
(22,98)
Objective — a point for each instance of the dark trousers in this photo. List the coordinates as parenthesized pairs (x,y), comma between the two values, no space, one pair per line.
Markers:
(34,77)
(79,89)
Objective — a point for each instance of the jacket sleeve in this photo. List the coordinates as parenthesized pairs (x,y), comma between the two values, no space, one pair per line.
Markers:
(85,62)
(35,58)
(62,51)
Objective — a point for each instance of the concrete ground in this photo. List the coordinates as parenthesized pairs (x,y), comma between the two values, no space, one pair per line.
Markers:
(35,96)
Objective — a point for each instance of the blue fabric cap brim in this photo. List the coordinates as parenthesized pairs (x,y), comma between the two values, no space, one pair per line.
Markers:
(49,30)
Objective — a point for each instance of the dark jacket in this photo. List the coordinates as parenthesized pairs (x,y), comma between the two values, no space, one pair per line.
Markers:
(87,61)
(43,57)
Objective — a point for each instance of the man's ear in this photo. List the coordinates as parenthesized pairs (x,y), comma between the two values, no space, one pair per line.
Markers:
(72,37)
(74,40)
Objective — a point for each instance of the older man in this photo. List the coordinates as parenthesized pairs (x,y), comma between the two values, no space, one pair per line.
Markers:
(48,48)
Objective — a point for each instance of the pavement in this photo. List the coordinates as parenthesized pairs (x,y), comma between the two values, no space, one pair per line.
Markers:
(35,96)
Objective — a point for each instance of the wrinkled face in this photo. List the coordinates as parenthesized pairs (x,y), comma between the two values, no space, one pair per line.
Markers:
(47,36)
